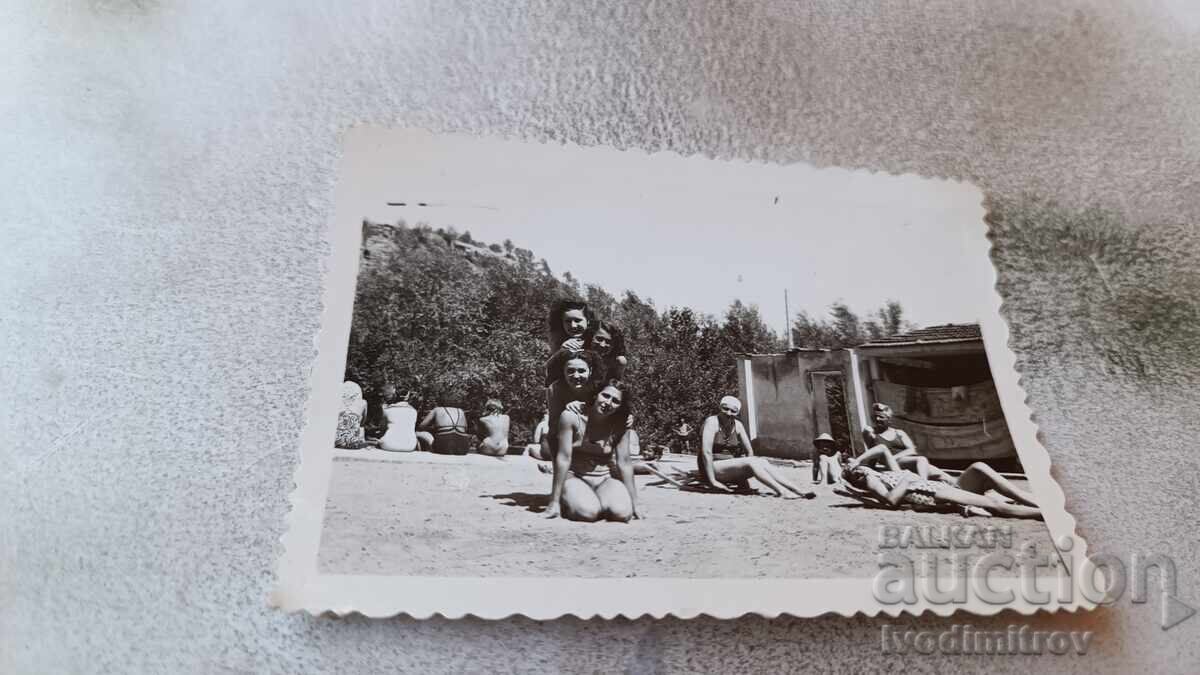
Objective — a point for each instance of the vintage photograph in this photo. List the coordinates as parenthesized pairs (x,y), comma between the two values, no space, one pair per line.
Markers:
(559,364)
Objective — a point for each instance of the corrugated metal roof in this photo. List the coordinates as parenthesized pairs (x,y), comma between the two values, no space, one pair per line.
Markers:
(945,333)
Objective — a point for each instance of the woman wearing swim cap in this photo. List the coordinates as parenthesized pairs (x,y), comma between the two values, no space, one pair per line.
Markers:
(727,458)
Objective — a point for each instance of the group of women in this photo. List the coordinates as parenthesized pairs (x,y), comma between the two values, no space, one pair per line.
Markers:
(394,427)
(591,429)
(591,435)
(590,444)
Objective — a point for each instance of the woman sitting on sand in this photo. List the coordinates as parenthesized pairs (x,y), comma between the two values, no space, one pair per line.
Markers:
(401,424)
(593,472)
(444,431)
(350,418)
(895,487)
(727,458)
(882,437)
(493,429)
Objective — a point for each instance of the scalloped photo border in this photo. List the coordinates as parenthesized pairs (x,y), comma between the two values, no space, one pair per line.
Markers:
(300,585)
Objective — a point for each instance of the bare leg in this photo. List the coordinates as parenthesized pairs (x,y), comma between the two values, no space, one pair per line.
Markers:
(492,448)
(763,467)
(962,497)
(579,501)
(732,471)
(915,463)
(873,454)
(615,504)
(980,477)
(831,468)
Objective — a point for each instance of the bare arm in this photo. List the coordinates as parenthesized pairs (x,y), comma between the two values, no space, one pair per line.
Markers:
(562,460)
(427,421)
(625,468)
(897,492)
(910,448)
(869,437)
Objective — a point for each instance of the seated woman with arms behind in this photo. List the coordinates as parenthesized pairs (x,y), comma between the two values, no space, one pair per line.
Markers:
(493,427)
(593,472)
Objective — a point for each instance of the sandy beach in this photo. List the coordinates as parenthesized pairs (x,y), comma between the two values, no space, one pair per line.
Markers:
(419,514)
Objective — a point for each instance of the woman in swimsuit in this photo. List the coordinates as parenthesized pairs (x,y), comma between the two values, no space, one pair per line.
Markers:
(493,429)
(593,472)
(727,458)
(576,384)
(443,430)
(882,437)
(896,486)
(568,322)
(350,418)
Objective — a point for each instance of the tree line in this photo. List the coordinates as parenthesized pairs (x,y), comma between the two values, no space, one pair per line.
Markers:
(457,321)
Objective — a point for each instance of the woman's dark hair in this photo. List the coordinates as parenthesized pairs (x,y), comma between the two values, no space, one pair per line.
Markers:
(618,338)
(621,417)
(594,361)
(554,320)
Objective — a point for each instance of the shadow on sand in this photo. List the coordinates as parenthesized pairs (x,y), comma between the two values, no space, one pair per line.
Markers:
(534,503)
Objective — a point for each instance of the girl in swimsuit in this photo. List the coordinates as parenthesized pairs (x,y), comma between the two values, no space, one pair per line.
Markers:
(569,322)
(727,458)
(593,472)
(576,385)
(895,486)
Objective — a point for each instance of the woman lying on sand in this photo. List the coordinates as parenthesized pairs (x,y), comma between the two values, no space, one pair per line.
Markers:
(727,458)
(593,450)
(895,487)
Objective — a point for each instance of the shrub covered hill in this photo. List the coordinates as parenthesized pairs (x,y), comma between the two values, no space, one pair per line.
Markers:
(458,321)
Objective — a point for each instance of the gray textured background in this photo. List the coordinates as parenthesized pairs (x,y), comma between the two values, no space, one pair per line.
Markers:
(168,174)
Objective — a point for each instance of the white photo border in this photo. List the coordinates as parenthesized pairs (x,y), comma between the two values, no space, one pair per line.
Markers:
(300,585)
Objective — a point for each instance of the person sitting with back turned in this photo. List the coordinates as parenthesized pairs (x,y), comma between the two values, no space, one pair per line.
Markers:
(444,431)
(493,427)
(350,418)
(401,422)
(534,449)
(376,421)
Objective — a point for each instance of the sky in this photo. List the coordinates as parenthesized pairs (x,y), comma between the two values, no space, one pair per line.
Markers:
(687,231)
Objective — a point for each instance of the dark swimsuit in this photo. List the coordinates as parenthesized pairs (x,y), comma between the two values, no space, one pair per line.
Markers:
(725,446)
(449,440)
